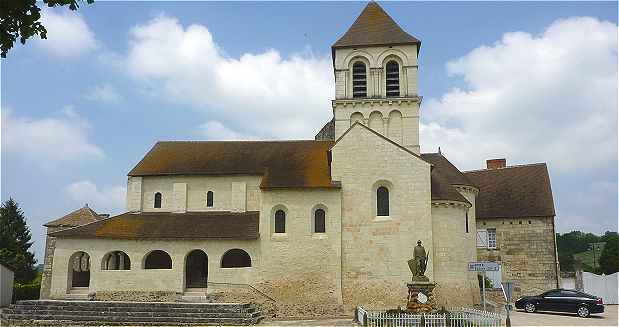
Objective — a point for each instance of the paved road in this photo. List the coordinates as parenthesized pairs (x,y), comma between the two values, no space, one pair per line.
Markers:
(608,318)
(519,318)
(313,323)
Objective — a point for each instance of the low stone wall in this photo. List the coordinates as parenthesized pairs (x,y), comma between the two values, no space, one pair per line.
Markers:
(138,296)
(301,308)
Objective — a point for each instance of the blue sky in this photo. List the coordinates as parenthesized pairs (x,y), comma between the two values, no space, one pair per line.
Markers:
(532,82)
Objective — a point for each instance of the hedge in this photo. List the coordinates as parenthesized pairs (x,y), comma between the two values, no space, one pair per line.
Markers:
(26,291)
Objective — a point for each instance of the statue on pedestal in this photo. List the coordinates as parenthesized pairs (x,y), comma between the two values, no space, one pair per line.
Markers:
(419,263)
(420,297)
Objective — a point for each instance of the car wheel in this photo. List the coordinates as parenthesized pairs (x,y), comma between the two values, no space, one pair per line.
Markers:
(529,307)
(583,312)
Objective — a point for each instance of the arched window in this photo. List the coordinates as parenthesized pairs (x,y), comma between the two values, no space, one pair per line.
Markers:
(280,221)
(116,260)
(319,221)
(158,260)
(209,198)
(382,201)
(235,258)
(392,79)
(157,200)
(359,80)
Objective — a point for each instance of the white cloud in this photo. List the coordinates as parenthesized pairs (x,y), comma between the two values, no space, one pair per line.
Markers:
(214,130)
(106,200)
(60,138)
(262,94)
(550,97)
(105,93)
(68,35)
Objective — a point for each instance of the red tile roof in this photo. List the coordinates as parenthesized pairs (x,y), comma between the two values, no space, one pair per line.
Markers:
(166,225)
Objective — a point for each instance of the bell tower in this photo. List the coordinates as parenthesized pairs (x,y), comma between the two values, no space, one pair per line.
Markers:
(375,65)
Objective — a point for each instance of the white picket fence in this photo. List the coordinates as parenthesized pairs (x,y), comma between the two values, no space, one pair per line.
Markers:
(462,317)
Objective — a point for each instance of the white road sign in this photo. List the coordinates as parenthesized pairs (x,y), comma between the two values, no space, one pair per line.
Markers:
(483,266)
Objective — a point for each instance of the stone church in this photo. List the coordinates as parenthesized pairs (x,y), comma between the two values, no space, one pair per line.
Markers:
(331,221)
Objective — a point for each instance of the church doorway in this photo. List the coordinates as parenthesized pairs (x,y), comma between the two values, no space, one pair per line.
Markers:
(79,270)
(196,269)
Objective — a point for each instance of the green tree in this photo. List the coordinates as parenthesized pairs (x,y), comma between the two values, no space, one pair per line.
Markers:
(609,260)
(21,19)
(571,243)
(15,242)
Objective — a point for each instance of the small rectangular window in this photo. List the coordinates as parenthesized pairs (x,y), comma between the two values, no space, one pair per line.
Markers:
(491,238)
(466,222)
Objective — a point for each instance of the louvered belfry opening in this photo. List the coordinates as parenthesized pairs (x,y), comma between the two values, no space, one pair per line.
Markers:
(359,80)
(393,79)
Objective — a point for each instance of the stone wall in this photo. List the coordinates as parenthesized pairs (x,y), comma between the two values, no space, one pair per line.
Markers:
(298,264)
(375,248)
(454,248)
(48,261)
(140,279)
(301,264)
(230,193)
(526,250)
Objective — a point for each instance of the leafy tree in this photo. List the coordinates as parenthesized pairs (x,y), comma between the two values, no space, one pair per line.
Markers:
(571,243)
(20,18)
(15,242)
(609,260)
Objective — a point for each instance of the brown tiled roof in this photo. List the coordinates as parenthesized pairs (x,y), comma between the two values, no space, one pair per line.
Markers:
(513,191)
(81,216)
(442,190)
(166,225)
(451,174)
(283,164)
(444,176)
(374,27)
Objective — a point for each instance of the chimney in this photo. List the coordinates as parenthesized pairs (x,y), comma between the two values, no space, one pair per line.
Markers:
(495,163)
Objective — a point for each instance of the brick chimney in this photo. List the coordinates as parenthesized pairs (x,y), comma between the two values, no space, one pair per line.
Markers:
(495,163)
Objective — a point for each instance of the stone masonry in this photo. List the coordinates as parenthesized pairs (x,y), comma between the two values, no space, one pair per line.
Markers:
(526,251)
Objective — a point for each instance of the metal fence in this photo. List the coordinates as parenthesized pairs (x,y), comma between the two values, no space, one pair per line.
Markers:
(461,317)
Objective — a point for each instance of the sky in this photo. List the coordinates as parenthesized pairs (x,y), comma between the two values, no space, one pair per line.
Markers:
(529,82)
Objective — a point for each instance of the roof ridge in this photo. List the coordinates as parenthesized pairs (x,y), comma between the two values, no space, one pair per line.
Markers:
(381,136)
(242,141)
(506,167)
(87,224)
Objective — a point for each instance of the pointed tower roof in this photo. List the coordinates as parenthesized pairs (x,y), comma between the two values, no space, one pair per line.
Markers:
(374,27)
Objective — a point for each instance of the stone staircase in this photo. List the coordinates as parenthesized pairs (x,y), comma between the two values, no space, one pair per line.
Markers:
(101,313)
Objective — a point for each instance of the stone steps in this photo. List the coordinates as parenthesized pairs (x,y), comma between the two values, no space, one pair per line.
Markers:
(136,313)
(205,309)
(53,312)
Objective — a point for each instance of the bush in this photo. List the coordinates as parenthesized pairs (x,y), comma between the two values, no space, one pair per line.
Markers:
(26,291)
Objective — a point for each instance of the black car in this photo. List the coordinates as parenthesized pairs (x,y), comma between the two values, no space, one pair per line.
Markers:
(562,300)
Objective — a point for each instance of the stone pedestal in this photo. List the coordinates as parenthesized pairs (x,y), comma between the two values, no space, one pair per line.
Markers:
(414,305)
